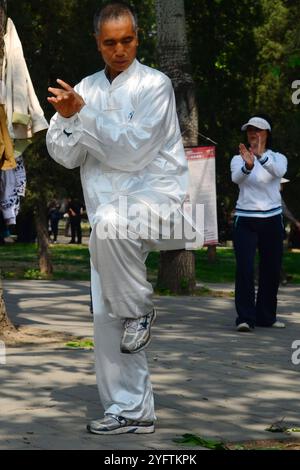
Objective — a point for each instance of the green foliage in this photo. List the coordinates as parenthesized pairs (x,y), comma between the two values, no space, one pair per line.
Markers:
(184,283)
(224,57)
(278,41)
(58,39)
(245,55)
(33,274)
(194,440)
(58,42)
(19,261)
(83,344)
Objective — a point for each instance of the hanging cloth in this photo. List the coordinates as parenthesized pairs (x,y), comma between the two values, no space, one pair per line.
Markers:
(25,116)
(9,199)
(7,160)
(20,176)
(12,188)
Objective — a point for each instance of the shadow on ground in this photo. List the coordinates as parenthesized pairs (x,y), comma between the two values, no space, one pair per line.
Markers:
(208,379)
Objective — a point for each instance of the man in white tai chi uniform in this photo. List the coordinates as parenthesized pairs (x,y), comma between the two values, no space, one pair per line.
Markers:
(120,126)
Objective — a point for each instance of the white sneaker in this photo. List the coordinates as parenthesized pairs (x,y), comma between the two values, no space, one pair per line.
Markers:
(112,424)
(244,327)
(137,333)
(278,324)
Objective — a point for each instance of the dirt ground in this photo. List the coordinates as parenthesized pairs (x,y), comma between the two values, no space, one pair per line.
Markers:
(269,444)
(28,335)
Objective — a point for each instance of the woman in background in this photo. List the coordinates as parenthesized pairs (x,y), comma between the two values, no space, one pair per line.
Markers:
(258,225)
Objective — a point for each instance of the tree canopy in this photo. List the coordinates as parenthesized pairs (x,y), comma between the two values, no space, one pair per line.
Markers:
(245,55)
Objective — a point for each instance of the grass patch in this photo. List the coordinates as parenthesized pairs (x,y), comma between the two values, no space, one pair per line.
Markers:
(72,262)
(20,261)
(82,344)
(221,270)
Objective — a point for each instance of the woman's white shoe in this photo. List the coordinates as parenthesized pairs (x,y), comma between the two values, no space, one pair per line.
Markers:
(278,324)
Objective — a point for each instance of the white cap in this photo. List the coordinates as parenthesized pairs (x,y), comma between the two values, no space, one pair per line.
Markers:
(258,122)
(284,180)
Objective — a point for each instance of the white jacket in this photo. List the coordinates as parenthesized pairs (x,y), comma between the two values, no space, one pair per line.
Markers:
(25,116)
(259,188)
(126,139)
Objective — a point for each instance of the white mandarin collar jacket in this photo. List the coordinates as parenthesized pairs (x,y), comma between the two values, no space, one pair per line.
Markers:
(126,139)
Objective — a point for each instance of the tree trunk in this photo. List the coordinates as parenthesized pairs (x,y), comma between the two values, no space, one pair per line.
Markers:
(3,17)
(5,323)
(44,254)
(174,61)
(177,268)
(212,253)
(176,272)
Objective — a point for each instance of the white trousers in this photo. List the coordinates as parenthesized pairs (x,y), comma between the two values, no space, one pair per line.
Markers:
(120,290)
(123,379)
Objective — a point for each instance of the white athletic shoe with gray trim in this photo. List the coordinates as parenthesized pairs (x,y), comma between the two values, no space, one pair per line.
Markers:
(137,333)
(244,327)
(278,324)
(112,424)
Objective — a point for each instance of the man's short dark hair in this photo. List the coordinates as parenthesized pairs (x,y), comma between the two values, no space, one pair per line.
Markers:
(114,10)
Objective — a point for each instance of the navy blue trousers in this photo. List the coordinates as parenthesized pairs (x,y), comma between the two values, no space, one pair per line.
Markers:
(266,235)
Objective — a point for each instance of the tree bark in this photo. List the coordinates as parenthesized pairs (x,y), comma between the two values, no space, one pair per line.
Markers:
(3,17)
(177,268)
(174,61)
(5,323)
(212,253)
(176,272)
(44,254)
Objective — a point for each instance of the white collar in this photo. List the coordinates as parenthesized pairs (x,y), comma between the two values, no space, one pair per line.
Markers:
(123,76)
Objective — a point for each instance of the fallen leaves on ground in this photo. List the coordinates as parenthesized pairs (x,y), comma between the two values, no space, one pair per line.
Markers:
(264,444)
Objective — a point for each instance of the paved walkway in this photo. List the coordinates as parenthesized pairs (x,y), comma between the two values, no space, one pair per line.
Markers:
(208,379)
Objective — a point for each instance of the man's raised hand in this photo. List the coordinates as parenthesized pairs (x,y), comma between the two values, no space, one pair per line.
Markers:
(65,100)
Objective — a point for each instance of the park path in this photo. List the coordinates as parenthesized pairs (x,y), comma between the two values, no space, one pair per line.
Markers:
(207,378)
